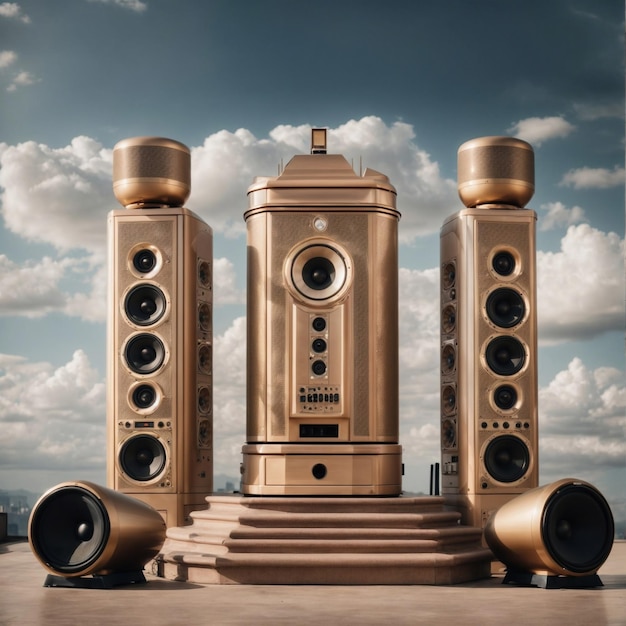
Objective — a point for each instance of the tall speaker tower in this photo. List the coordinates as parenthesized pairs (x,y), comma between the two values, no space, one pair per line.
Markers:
(322,370)
(489,449)
(159,405)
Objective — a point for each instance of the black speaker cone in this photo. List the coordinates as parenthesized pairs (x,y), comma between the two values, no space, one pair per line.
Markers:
(142,458)
(505,355)
(577,528)
(505,307)
(145,353)
(507,458)
(144,396)
(318,273)
(505,397)
(144,261)
(70,529)
(145,305)
(503,263)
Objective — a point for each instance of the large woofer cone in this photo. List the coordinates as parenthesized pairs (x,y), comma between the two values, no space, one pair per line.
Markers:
(144,353)
(145,305)
(319,272)
(142,458)
(506,458)
(565,528)
(505,307)
(79,528)
(505,355)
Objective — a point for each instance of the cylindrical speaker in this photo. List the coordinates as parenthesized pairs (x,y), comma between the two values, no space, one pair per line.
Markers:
(564,528)
(496,170)
(151,172)
(80,528)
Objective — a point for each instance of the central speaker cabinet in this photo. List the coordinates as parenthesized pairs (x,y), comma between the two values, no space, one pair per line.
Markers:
(160,359)
(488,359)
(322,371)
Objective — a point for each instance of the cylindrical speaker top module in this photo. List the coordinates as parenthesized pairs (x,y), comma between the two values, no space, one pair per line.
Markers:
(496,171)
(151,172)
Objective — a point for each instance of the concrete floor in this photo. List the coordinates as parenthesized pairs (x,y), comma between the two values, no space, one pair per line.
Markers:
(23,600)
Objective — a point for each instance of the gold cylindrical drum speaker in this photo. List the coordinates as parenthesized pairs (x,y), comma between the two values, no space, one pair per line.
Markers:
(151,172)
(562,529)
(496,170)
(80,528)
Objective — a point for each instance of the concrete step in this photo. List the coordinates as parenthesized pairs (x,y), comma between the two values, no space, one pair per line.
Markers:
(300,540)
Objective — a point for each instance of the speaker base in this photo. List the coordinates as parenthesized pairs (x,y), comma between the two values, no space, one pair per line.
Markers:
(97,581)
(322,470)
(546,581)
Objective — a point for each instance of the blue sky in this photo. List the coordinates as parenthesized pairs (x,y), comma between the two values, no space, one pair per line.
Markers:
(400,85)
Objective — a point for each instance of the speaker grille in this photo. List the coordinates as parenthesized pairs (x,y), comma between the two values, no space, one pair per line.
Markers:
(70,530)
(577,528)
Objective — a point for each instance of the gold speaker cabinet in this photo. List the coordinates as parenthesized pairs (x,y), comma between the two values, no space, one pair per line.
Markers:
(159,404)
(318,469)
(562,529)
(489,437)
(322,367)
(80,528)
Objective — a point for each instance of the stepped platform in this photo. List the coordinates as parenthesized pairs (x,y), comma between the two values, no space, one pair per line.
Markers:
(324,541)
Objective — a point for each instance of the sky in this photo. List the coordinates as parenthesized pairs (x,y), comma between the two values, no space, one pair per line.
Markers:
(400,85)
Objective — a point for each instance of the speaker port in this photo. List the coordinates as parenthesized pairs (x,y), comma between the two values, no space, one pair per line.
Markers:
(319,345)
(319,471)
(319,324)
(318,368)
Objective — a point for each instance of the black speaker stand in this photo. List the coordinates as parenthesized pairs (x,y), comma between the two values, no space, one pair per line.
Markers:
(97,581)
(529,579)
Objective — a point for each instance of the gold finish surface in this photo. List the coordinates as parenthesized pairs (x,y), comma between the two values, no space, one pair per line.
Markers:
(151,171)
(126,532)
(564,528)
(496,170)
(322,307)
(489,438)
(160,443)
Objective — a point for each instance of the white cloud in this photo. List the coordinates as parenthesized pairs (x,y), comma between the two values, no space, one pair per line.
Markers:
(537,130)
(580,290)
(559,215)
(224,283)
(58,196)
(22,79)
(134,5)
(52,418)
(594,178)
(582,425)
(38,288)
(7,57)
(12,10)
